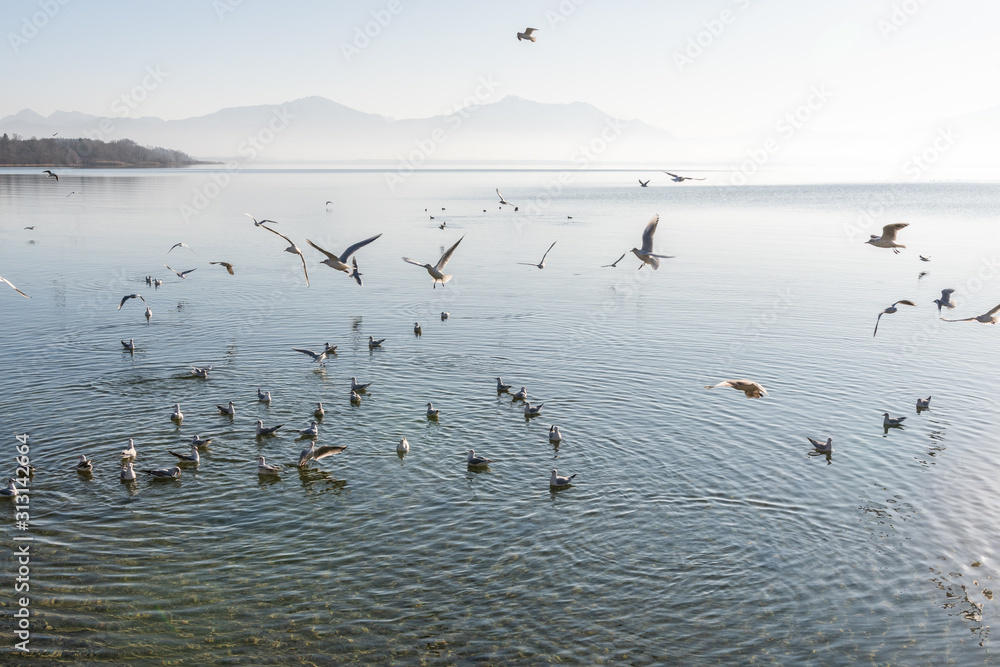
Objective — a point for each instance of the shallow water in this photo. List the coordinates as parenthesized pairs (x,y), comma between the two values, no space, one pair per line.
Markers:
(699,529)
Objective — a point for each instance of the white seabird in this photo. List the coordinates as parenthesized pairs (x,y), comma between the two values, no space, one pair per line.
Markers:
(541,264)
(10,491)
(201,372)
(403,447)
(199,441)
(264,469)
(177,415)
(265,430)
(130,345)
(164,473)
(555,480)
(193,457)
(476,461)
(748,387)
(263,396)
(890,310)
(312,452)
(924,403)
(310,431)
(554,434)
(229,410)
(989,317)
(888,238)
(129,452)
(945,300)
(528,34)
(372,343)
(501,387)
(530,411)
(293,249)
(130,296)
(432,412)
(888,421)
(357,386)
(825,447)
(83,465)
(340,263)
(128,473)
(436,270)
(646,252)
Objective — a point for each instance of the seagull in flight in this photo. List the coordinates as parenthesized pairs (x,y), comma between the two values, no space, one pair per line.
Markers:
(180,245)
(51,175)
(645,183)
(990,317)
(945,300)
(259,224)
(126,298)
(4,280)
(229,267)
(889,311)
(317,356)
(312,452)
(924,259)
(503,202)
(888,238)
(355,273)
(614,264)
(340,263)
(541,264)
(292,248)
(646,253)
(528,34)
(751,389)
(680,179)
(435,271)
(182,274)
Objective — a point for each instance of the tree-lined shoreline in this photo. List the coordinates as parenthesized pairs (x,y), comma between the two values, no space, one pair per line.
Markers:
(78,152)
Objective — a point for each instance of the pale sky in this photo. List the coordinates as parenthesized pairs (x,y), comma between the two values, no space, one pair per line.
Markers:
(943,61)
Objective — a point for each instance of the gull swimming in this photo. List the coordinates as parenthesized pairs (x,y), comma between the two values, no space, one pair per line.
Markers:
(180,245)
(435,271)
(319,411)
(130,296)
(403,447)
(355,397)
(200,372)
(680,179)
(888,421)
(825,447)
(501,387)
(127,473)
(888,238)
(445,315)
(432,412)
(989,317)
(51,175)
(924,403)
(644,184)
(646,253)
(4,280)
(312,452)
(557,480)
(416,329)
(751,389)
(84,465)
(357,386)
(528,34)
(310,431)
(193,457)
(340,263)
(182,274)
(554,434)
(229,267)
(199,441)
(945,300)
(130,345)
(355,273)
(261,223)
(129,452)
(177,415)
(293,249)
(164,473)
(372,343)
(614,264)
(157,282)
(530,411)
(148,313)
(476,461)
(889,311)
(229,410)
(11,490)
(541,264)
(263,396)
(266,430)
(520,394)
(264,469)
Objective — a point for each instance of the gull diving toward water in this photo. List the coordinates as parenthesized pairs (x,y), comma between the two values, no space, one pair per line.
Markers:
(130,345)
(261,223)
(263,396)
(554,434)
(646,253)
(310,431)
(888,421)
(4,280)
(614,264)
(293,249)
(180,245)
(193,457)
(177,415)
(644,184)
(477,461)
(403,447)
(945,300)
(501,387)
(889,311)
(11,490)
(680,179)
(372,343)
(557,481)
(435,271)
(528,34)
(181,274)
(312,452)
(266,430)
(83,465)
(924,403)
(541,264)
(888,238)
(51,175)
(229,410)
(201,372)
(432,412)
(357,386)
(199,441)
(825,447)
(990,317)
(530,411)
(128,473)
(126,298)
(164,473)
(340,263)
(229,267)
(264,469)
(317,356)
(751,389)
(129,452)
(355,273)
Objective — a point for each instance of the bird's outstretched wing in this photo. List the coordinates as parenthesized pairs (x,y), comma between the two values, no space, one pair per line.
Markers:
(273,222)
(547,252)
(994,311)
(447,255)
(304,270)
(327,450)
(669,174)
(354,248)
(647,234)
(122,303)
(502,200)
(329,255)
(410,261)
(876,323)
(278,233)
(889,231)
(905,302)
(229,267)
(4,280)
(615,263)
(965,319)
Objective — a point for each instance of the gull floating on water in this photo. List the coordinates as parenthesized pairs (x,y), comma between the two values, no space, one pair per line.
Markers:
(266,430)
(149,313)
(519,395)
(319,411)
(128,473)
(177,415)
(229,267)
(989,317)
(416,329)
(556,480)
(646,253)
(403,447)
(179,245)
(263,396)
(199,441)
(528,34)
(889,311)
(554,434)
(164,473)
(680,179)
(229,410)
(476,461)
(51,175)
(644,183)
(432,412)
(530,411)
(193,457)
(264,469)
(293,249)
(355,397)
(751,389)
(4,280)
(84,465)
(130,296)
(924,403)
(312,452)
(340,263)
(501,387)
(445,315)
(310,431)
(614,264)
(888,238)
(11,489)
(129,452)
(541,264)
(182,274)
(825,447)
(261,223)
(200,372)
(888,421)
(157,282)
(372,343)
(436,271)
(945,300)
(357,386)
(130,345)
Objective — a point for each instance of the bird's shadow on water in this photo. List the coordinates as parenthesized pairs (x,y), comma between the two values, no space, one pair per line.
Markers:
(319,481)
(886,429)
(828,455)
(920,410)
(265,481)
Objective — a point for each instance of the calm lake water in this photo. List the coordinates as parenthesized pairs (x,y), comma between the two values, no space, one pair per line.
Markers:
(700,527)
